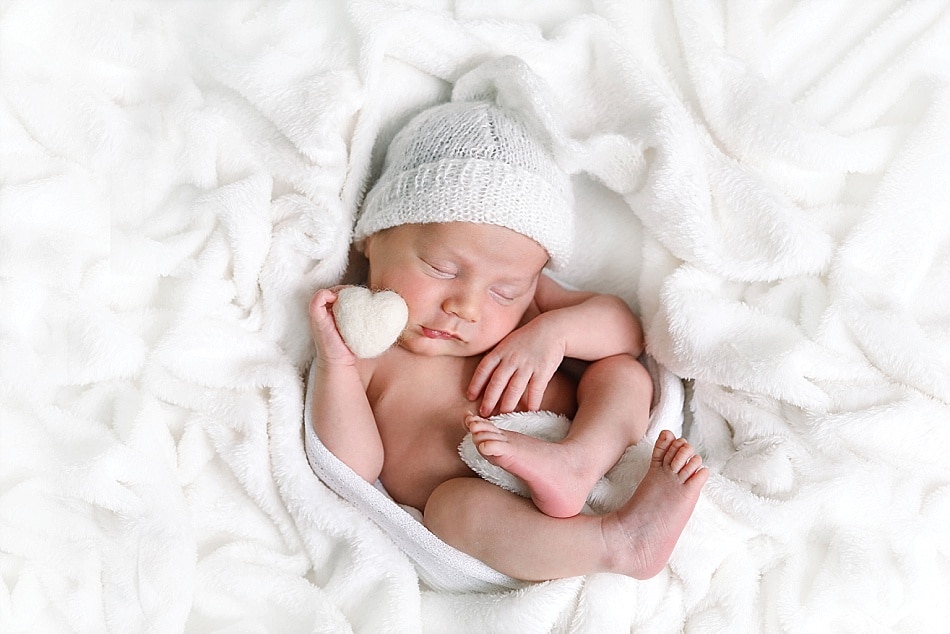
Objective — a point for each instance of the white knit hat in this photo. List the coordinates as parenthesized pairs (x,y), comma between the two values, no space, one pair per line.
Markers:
(473,161)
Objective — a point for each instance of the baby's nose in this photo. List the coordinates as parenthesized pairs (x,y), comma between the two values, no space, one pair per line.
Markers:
(465,306)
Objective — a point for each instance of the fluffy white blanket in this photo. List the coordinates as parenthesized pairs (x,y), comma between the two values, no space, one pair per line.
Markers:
(766,183)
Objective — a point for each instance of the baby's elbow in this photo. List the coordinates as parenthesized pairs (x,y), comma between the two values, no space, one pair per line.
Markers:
(364,461)
(368,467)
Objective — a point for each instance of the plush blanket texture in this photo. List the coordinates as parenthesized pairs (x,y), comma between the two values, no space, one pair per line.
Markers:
(766,183)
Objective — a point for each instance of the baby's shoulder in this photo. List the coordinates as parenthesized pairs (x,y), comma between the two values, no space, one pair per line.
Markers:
(393,365)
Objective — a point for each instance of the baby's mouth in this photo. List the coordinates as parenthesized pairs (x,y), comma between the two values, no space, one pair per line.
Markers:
(439,334)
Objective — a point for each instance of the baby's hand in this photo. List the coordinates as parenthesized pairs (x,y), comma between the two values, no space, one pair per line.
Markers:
(520,366)
(331,350)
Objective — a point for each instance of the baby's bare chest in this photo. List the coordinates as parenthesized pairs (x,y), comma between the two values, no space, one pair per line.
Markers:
(419,410)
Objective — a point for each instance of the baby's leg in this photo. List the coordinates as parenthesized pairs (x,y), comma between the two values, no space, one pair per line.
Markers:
(511,535)
(613,411)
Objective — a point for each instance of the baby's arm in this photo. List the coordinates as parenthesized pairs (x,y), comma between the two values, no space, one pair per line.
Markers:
(561,323)
(592,326)
(342,416)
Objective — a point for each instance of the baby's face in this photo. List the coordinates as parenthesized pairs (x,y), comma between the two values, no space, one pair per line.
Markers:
(467,285)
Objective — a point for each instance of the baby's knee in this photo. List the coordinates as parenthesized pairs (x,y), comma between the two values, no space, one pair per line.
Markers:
(624,372)
(450,512)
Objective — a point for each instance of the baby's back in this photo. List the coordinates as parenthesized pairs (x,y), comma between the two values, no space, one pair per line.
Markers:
(420,404)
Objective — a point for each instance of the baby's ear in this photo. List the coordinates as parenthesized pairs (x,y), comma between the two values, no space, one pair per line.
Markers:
(369,322)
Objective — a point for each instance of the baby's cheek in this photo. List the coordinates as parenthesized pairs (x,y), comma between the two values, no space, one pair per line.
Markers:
(417,296)
(499,332)
(514,319)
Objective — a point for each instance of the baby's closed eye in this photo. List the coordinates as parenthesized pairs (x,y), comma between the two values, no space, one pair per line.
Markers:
(505,295)
(440,270)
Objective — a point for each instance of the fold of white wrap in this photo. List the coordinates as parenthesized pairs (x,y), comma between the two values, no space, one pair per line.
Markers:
(441,566)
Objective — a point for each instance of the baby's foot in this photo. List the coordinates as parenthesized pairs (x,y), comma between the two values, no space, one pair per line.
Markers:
(553,472)
(644,531)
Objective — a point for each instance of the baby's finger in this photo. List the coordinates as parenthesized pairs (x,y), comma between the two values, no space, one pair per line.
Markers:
(494,389)
(534,395)
(514,391)
(320,309)
(326,337)
(321,298)
(482,374)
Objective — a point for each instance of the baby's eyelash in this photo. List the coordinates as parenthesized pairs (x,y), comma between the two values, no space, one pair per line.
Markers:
(440,271)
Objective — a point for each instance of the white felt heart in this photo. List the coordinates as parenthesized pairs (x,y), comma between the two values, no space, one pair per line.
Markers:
(369,322)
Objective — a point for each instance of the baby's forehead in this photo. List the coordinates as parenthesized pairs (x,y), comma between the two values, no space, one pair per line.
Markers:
(482,234)
(489,245)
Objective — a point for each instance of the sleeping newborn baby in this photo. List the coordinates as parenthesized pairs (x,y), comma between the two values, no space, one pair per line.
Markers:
(470,209)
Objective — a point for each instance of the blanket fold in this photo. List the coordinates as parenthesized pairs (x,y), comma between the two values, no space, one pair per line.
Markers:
(764,183)
(441,566)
